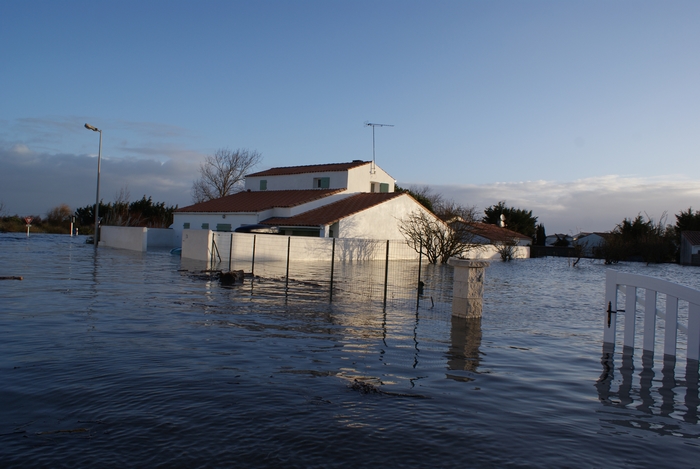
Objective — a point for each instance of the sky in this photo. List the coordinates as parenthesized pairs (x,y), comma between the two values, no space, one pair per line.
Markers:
(585,112)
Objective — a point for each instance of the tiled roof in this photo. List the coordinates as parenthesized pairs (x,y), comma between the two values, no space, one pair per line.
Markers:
(495,232)
(314,168)
(257,201)
(331,213)
(693,237)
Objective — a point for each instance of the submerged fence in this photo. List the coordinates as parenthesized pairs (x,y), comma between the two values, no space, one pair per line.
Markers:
(687,323)
(382,272)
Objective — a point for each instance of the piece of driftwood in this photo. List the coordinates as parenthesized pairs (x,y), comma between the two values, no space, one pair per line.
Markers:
(11,278)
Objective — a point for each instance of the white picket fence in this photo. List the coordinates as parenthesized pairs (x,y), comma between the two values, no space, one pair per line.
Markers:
(653,287)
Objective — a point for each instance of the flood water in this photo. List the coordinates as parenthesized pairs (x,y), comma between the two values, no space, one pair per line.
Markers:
(121,359)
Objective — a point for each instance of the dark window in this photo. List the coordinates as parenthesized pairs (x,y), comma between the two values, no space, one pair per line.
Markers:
(186,226)
(263,184)
(205,226)
(322,183)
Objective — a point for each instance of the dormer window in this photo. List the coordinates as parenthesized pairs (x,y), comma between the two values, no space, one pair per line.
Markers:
(322,183)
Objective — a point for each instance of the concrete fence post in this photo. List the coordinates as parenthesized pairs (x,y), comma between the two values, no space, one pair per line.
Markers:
(468,287)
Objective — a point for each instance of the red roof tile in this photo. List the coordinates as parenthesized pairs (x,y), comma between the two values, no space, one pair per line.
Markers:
(257,201)
(331,213)
(314,168)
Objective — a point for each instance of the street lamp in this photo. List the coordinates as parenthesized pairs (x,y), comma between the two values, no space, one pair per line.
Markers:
(97,198)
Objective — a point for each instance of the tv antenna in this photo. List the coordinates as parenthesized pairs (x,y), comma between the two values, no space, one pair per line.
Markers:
(373,125)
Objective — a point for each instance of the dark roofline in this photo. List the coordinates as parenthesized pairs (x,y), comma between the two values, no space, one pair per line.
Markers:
(313,168)
(333,212)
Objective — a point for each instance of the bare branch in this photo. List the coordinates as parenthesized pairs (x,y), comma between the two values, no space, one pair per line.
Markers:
(222,173)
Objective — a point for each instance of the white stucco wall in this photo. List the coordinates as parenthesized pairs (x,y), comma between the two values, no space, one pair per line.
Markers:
(356,179)
(273,248)
(196,244)
(337,180)
(490,252)
(381,221)
(360,178)
(124,237)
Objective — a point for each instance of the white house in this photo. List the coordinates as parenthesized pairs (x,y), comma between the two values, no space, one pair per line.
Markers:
(285,194)
(356,176)
(590,243)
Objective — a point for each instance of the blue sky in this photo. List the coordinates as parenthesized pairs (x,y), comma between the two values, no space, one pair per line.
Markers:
(584,112)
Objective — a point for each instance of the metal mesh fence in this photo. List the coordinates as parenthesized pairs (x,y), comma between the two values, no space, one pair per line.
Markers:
(378,273)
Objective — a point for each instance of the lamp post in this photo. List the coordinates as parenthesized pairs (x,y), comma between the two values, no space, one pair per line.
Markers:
(97,198)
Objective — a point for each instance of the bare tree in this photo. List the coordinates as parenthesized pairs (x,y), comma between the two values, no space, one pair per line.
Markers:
(506,248)
(222,173)
(59,214)
(438,240)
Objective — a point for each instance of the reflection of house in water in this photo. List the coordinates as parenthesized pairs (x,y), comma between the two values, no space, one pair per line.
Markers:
(465,340)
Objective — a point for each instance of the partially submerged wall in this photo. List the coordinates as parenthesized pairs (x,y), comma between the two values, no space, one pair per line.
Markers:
(133,238)
(197,245)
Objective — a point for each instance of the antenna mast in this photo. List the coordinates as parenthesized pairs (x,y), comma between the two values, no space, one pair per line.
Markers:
(373,125)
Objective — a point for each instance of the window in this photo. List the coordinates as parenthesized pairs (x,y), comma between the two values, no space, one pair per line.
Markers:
(383,187)
(205,226)
(322,183)
(263,184)
(186,226)
(223,227)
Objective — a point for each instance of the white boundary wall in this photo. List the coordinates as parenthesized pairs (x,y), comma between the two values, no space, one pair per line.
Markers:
(490,252)
(196,244)
(136,238)
(274,248)
(124,237)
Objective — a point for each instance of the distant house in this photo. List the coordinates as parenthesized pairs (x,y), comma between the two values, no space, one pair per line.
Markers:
(558,240)
(590,243)
(690,248)
(489,238)
(349,200)
(493,234)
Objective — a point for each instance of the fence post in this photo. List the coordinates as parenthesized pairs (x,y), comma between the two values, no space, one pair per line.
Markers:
(252,265)
(286,277)
(386,272)
(420,286)
(332,269)
(230,253)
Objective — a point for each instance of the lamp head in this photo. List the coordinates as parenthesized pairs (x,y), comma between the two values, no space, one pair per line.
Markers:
(93,128)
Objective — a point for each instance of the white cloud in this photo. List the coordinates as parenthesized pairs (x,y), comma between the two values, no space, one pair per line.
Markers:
(590,204)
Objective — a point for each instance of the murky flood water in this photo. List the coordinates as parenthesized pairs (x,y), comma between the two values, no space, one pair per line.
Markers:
(120,359)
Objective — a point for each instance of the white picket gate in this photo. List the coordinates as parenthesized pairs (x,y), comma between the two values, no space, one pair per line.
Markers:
(653,287)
